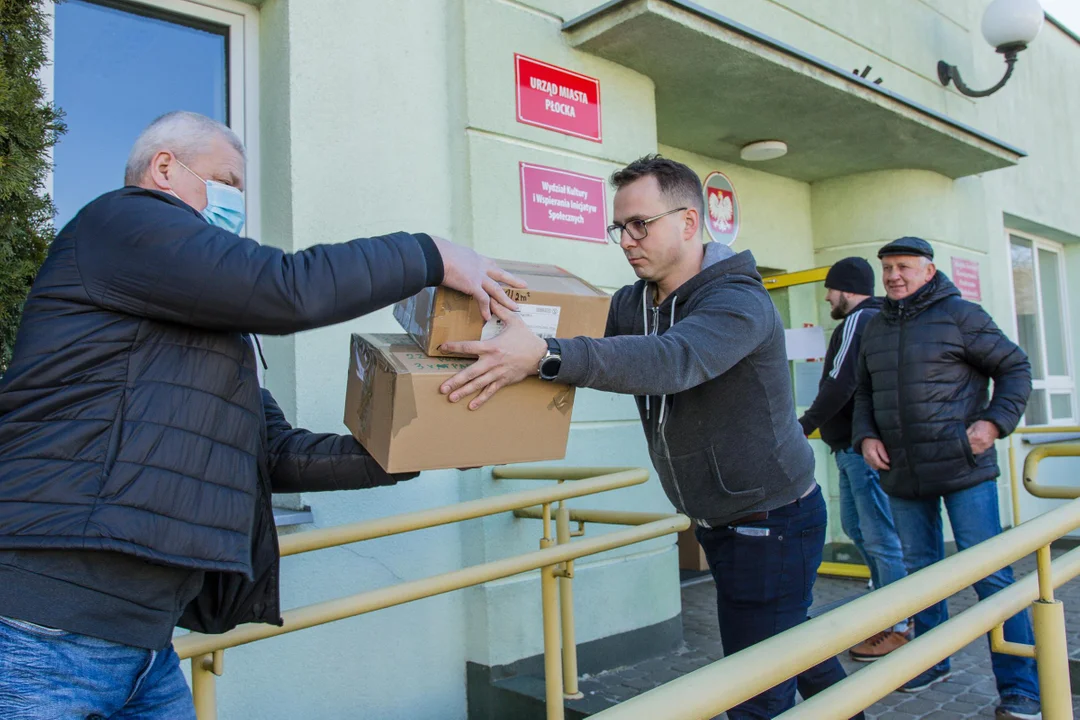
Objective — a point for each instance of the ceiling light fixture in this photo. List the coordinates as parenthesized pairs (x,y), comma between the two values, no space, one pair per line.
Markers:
(763,150)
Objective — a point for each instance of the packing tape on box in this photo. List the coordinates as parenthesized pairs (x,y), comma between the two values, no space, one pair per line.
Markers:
(366,360)
(563,401)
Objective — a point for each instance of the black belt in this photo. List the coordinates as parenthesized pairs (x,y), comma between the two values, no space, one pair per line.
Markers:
(747,519)
(743,520)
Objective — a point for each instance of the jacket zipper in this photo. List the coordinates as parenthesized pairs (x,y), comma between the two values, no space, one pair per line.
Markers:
(901,406)
(660,428)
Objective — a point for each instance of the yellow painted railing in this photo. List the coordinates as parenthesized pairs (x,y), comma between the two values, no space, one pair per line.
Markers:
(1014,475)
(721,685)
(554,561)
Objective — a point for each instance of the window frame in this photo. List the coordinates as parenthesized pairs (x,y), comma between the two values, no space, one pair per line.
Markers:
(1050,384)
(242,21)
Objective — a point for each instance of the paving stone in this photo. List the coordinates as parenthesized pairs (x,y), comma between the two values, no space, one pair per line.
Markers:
(975,698)
(891,700)
(950,688)
(961,707)
(936,695)
(943,715)
(965,678)
(916,706)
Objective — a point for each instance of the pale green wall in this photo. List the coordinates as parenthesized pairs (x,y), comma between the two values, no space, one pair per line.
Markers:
(338,78)
(387,116)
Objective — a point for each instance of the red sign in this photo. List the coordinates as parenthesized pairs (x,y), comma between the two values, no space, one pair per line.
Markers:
(965,274)
(563,204)
(721,208)
(557,99)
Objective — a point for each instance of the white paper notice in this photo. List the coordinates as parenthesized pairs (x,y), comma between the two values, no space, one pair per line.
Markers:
(541,319)
(805,343)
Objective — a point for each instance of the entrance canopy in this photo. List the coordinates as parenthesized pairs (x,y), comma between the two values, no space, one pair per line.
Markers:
(721,85)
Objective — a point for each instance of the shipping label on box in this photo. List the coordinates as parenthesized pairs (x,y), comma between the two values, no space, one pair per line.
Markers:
(556,304)
(393,407)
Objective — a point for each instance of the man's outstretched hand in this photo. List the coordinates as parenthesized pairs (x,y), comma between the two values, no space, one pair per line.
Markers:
(504,360)
(474,274)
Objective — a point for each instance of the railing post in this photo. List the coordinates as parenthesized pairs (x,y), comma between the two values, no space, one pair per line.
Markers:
(566,603)
(204,685)
(1014,482)
(1051,652)
(549,591)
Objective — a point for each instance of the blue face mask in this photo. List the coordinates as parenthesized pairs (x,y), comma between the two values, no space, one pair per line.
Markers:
(224,204)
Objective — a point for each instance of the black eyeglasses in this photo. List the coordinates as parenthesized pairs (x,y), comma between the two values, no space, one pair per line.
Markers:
(636,229)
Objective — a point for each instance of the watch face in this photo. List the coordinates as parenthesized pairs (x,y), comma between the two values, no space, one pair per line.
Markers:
(551,367)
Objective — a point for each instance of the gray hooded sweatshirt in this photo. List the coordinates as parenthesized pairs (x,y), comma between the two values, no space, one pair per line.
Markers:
(709,370)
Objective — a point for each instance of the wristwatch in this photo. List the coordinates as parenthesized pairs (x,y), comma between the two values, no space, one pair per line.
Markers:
(551,363)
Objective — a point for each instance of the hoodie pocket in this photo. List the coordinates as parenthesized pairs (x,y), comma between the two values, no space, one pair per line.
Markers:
(699,486)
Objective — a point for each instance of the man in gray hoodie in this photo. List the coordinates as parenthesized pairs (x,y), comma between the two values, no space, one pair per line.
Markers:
(700,344)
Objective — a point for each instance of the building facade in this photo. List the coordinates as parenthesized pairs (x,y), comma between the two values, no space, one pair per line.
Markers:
(365,117)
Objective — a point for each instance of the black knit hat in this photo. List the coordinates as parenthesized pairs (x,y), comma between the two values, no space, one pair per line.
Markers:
(908,246)
(853,275)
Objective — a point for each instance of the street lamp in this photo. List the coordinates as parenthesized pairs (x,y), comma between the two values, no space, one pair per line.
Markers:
(1009,26)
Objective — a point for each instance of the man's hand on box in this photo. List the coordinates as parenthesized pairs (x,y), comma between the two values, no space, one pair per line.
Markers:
(474,274)
(507,359)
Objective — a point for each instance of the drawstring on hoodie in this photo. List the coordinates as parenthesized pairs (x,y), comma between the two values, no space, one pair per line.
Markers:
(655,330)
(663,398)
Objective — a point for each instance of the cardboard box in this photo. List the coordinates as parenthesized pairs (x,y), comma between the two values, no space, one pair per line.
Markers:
(556,304)
(394,408)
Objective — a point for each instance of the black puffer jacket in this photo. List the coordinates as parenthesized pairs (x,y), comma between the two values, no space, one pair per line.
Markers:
(131,417)
(924,372)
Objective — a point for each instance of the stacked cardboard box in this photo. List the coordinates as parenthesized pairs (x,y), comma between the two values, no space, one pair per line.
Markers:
(393,405)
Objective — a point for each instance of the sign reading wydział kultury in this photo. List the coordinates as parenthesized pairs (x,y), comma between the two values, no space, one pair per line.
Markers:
(560,203)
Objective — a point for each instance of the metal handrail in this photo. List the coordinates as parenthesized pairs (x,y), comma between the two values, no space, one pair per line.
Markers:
(869,685)
(401,593)
(601,480)
(721,685)
(554,560)
(1031,462)
(1014,476)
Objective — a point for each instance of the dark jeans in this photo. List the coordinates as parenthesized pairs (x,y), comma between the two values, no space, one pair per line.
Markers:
(764,586)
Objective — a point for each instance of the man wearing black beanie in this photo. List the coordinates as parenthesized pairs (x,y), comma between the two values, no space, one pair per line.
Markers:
(864,507)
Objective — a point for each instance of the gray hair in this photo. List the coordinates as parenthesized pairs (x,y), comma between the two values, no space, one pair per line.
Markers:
(184,134)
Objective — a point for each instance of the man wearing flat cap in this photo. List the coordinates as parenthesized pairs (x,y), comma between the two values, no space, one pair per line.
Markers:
(925,420)
(864,506)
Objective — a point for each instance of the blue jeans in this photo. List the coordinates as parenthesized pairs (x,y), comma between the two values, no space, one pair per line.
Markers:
(867,520)
(48,674)
(765,573)
(974,516)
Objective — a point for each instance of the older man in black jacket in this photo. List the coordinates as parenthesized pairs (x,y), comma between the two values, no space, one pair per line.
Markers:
(924,419)
(138,452)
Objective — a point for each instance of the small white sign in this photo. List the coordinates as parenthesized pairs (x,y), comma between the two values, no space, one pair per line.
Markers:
(805,343)
(541,319)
